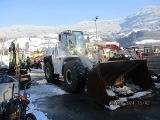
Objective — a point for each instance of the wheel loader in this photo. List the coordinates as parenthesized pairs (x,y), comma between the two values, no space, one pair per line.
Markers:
(109,81)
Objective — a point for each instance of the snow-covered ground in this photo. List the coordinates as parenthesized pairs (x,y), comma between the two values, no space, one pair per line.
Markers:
(41,90)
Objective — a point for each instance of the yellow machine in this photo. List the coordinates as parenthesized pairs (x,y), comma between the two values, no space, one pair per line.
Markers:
(17,67)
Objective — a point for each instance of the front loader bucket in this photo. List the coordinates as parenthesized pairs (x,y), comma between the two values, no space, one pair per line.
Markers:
(115,73)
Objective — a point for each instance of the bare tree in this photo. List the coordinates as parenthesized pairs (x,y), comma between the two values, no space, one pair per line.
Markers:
(2,44)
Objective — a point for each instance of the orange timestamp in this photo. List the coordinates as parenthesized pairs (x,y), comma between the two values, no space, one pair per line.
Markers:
(130,102)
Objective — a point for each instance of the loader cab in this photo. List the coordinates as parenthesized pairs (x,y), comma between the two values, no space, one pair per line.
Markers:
(72,39)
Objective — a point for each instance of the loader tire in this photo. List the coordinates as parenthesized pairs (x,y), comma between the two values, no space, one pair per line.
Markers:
(158,79)
(74,76)
(30,116)
(49,74)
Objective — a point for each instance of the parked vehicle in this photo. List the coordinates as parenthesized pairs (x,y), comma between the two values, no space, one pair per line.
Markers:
(69,58)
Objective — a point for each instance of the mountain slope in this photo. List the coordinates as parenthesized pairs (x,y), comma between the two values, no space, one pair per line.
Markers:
(103,27)
(147,19)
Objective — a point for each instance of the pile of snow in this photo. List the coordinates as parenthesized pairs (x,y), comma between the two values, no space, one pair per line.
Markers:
(130,92)
(5,59)
(44,90)
(122,101)
(110,92)
(123,90)
(113,105)
(140,94)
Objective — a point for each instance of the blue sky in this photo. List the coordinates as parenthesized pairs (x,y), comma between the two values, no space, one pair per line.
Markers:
(66,12)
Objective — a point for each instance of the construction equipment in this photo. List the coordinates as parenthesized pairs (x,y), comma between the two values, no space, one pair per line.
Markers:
(103,51)
(149,52)
(143,50)
(17,65)
(69,58)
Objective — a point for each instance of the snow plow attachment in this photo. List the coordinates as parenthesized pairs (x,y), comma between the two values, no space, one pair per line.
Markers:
(113,80)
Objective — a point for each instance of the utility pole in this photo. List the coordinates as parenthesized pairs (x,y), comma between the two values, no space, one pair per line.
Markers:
(95,20)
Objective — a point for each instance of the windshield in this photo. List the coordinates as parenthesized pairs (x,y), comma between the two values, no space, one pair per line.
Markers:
(76,39)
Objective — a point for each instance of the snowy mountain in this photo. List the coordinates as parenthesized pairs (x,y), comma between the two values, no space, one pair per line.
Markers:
(104,27)
(137,36)
(147,18)
(143,24)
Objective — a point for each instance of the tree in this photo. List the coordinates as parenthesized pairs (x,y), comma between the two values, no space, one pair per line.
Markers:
(133,39)
(2,43)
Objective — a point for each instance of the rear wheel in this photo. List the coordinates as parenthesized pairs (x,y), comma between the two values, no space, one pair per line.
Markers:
(158,79)
(49,74)
(74,76)
(30,116)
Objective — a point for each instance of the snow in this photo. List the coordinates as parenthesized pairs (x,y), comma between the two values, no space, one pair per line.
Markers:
(113,105)
(154,77)
(110,92)
(125,90)
(157,85)
(139,94)
(44,90)
(133,86)
(147,41)
(33,44)
(94,38)
(127,34)
(41,90)
(41,81)
(5,59)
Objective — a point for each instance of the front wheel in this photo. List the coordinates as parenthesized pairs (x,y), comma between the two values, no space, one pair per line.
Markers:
(30,116)
(74,76)
(49,73)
